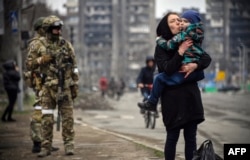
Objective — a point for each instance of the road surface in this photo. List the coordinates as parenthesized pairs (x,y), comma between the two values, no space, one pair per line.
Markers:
(227,120)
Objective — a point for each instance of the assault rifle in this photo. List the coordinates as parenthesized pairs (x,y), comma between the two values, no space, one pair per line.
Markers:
(62,63)
(60,95)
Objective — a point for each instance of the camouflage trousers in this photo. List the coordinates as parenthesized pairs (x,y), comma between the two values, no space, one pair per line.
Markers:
(35,124)
(48,102)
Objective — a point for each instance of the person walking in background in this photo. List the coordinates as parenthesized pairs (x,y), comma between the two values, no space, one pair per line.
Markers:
(120,87)
(112,87)
(103,85)
(11,77)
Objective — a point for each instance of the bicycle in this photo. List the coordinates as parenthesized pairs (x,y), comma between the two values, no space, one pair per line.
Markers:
(149,116)
(150,119)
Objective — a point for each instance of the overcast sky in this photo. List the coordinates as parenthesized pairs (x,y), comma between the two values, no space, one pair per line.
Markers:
(161,5)
(176,5)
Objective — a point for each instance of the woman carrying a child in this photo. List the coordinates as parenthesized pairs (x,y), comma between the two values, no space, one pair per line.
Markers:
(181,104)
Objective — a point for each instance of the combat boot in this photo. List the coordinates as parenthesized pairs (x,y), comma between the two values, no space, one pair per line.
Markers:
(36,147)
(53,149)
(43,153)
(69,150)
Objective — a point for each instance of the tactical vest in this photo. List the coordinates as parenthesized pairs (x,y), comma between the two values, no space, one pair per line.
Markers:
(62,62)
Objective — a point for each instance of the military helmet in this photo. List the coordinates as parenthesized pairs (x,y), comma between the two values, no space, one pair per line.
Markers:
(52,21)
(38,23)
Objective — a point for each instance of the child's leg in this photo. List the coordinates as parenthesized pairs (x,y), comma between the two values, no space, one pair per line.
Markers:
(158,86)
(162,80)
(145,93)
(175,79)
(178,78)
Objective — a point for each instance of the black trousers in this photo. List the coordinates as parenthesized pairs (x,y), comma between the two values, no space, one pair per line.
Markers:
(12,96)
(189,131)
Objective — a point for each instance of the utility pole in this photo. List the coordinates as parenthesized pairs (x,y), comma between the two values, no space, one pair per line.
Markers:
(243,64)
(19,57)
(83,47)
(226,38)
(240,65)
(244,67)
(15,14)
(115,47)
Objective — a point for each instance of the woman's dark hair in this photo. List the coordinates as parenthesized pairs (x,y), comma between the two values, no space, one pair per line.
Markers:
(163,29)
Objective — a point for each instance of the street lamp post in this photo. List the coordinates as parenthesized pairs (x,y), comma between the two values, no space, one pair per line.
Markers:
(244,64)
(240,66)
(19,59)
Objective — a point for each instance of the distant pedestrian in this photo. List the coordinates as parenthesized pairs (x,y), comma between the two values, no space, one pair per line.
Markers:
(111,87)
(120,86)
(11,77)
(103,84)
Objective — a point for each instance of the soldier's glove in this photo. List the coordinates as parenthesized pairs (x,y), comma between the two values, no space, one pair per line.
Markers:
(74,91)
(44,59)
(28,79)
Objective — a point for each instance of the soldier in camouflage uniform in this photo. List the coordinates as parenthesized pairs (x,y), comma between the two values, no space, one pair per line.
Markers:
(55,60)
(34,82)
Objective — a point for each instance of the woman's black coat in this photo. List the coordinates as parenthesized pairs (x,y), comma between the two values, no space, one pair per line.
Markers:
(180,104)
(11,77)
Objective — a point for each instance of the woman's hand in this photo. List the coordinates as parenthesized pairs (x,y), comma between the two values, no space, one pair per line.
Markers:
(188,68)
(184,46)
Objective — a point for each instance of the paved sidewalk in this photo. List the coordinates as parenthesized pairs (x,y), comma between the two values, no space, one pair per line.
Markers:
(90,144)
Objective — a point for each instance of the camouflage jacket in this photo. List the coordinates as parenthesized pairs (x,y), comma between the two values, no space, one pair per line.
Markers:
(31,45)
(29,73)
(194,32)
(61,51)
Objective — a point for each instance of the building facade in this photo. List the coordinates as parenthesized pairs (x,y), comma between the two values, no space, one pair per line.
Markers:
(115,35)
(71,33)
(214,32)
(227,35)
(96,37)
(140,29)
